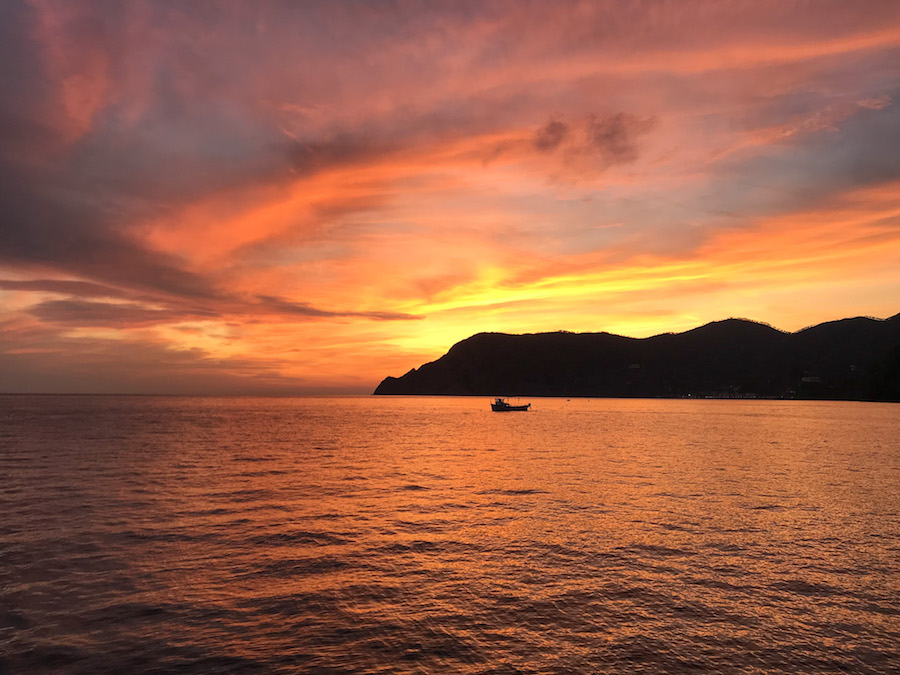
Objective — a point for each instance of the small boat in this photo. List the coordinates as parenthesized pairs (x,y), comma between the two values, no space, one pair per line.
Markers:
(502,405)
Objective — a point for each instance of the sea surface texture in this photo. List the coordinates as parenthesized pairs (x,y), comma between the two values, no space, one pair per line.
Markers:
(430,535)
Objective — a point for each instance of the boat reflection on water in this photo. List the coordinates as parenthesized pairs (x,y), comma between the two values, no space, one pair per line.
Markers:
(502,405)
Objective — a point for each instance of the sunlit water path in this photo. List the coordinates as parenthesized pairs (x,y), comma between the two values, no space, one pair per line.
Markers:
(392,535)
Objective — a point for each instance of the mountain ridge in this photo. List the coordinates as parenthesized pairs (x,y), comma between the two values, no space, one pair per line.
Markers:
(856,358)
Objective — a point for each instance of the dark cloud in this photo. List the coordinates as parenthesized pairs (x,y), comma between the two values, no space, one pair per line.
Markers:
(83,289)
(550,136)
(289,307)
(615,137)
(49,218)
(91,313)
(308,157)
(49,229)
(128,314)
(67,206)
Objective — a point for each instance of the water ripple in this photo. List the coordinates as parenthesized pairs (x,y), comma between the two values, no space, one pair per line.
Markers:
(365,535)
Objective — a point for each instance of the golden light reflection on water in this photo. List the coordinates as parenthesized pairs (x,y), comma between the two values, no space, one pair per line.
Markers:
(396,534)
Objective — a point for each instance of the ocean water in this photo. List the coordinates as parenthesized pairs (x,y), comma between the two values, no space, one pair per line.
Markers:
(429,535)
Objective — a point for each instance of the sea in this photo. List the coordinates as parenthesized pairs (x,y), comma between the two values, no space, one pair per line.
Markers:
(146,534)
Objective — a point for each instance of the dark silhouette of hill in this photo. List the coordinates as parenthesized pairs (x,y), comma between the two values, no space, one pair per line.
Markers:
(848,359)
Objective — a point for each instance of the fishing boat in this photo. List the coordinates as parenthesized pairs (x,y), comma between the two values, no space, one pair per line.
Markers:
(502,405)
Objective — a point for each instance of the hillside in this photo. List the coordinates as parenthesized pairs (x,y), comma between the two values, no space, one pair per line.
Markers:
(855,358)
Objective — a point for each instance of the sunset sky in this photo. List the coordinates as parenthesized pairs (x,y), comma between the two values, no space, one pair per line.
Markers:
(301,197)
